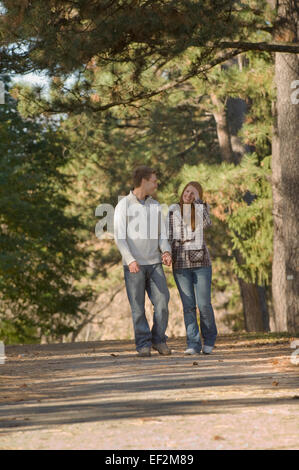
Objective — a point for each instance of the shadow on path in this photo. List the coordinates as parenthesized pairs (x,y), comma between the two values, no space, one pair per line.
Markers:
(94,382)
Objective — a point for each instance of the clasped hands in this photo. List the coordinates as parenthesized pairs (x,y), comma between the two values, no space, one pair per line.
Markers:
(166,259)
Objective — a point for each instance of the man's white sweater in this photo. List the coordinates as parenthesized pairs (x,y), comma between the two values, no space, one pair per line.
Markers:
(139,230)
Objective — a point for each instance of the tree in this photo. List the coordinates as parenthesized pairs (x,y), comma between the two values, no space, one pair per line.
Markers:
(69,37)
(285,177)
(131,41)
(175,130)
(41,264)
(242,113)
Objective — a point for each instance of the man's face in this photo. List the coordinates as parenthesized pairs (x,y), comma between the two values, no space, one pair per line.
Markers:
(150,185)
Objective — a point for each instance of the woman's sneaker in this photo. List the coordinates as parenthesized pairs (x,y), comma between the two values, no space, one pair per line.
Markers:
(191,352)
(207,349)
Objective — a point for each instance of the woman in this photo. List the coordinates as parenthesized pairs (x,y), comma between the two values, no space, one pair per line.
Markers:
(192,267)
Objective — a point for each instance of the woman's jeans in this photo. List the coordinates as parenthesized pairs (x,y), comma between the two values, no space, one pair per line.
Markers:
(194,285)
(150,278)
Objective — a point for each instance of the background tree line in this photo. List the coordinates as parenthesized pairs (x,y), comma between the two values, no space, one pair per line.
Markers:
(199,90)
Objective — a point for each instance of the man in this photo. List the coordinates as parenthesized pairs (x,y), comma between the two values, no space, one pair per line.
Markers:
(139,232)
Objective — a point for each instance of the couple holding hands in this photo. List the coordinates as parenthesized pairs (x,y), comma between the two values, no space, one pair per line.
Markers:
(142,263)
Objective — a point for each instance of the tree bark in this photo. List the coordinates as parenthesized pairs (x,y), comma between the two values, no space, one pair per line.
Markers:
(220,117)
(285,180)
(255,308)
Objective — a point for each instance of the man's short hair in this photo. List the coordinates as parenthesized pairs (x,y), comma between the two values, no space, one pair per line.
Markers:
(142,172)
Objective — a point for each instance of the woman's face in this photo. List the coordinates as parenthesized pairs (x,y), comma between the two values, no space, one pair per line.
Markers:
(190,194)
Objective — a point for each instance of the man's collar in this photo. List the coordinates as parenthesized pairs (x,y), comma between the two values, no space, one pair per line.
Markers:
(135,197)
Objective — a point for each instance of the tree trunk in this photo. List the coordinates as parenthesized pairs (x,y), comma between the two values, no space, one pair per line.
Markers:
(236,112)
(254,299)
(236,109)
(220,117)
(285,183)
(285,180)
(254,306)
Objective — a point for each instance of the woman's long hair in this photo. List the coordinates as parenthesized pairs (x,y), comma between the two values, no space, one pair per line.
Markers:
(200,192)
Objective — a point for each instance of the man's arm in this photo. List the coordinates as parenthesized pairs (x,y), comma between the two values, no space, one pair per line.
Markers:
(120,233)
(163,238)
(164,245)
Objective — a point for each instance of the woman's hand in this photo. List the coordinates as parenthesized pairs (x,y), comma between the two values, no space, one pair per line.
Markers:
(166,258)
(195,194)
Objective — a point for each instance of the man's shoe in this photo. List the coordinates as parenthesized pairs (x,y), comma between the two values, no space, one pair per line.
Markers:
(162,348)
(207,349)
(144,352)
(191,352)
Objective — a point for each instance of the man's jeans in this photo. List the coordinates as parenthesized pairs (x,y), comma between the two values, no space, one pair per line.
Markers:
(150,278)
(194,285)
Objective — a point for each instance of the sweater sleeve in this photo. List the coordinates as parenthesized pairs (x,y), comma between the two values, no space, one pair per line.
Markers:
(120,233)
(206,213)
(170,226)
(163,236)
(170,222)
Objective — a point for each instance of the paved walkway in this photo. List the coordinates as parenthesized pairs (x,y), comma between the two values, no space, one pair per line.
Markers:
(100,395)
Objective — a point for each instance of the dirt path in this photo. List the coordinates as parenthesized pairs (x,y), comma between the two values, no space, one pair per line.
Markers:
(100,395)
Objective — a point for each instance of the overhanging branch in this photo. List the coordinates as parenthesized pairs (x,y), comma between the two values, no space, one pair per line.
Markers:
(290,47)
(196,71)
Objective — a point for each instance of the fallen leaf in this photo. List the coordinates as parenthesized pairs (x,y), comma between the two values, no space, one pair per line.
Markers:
(218,438)
(274,383)
(195,363)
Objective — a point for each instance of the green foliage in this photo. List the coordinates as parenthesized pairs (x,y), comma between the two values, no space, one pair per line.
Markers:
(65,38)
(40,260)
(139,91)
(167,133)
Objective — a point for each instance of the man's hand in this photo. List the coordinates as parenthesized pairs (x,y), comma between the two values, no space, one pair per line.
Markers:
(134,267)
(166,258)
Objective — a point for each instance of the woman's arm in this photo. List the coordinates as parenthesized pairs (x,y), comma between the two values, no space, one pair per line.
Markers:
(172,233)
(205,213)
(170,226)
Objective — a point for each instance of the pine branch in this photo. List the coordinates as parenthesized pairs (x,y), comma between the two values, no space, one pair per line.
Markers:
(143,95)
(290,47)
